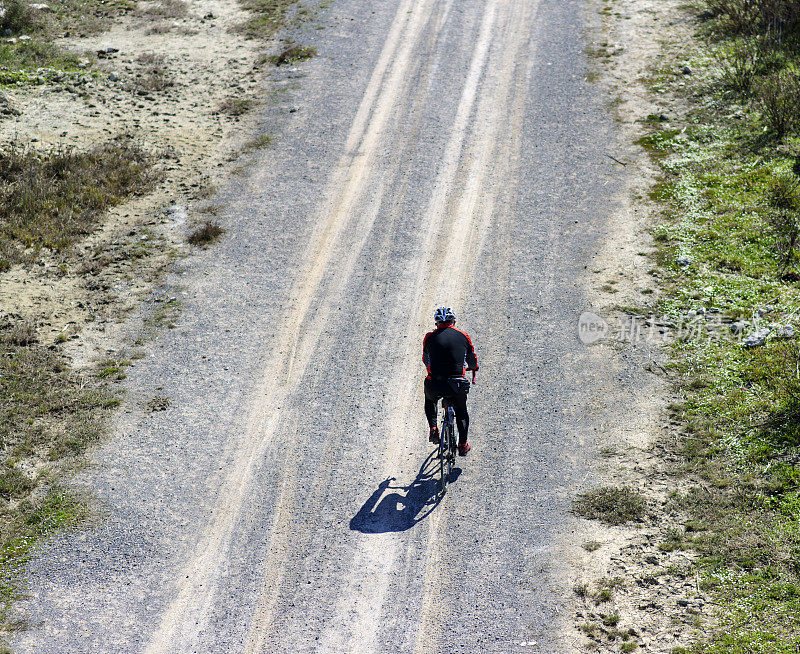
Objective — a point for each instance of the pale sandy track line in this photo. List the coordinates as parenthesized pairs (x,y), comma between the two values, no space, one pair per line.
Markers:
(352,629)
(385,99)
(494,163)
(185,618)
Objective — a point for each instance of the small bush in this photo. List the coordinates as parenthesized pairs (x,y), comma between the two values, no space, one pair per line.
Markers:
(235,106)
(206,233)
(776,96)
(154,75)
(739,64)
(777,18)
(783,198)
(612,505)
(16,16)
(736,13)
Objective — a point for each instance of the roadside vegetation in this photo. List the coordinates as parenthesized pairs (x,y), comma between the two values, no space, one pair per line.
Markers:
(49,200)
(205,234)
(27,54)
(49,416)
(268,16)
(612,505)
(729,257)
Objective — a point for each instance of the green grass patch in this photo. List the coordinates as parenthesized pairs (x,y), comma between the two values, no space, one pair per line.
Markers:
(728,243)
(20,62)
(293,54)
(49,416)
(268,16)
(21,529)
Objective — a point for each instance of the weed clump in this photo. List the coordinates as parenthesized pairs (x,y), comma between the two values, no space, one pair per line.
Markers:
(16,16)
(158,403)
(268,16)
(294,53)
(154,75)
(610,504)
(206,233)
(235,106)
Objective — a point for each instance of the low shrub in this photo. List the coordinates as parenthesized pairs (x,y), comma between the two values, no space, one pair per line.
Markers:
(50,199)
(17,16)
(739,65)
(206,233)
(776,97)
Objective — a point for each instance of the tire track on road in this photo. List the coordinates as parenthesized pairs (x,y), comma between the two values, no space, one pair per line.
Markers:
(455,223)
(187,614)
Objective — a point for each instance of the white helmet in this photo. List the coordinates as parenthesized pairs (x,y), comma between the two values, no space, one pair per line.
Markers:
(444,314)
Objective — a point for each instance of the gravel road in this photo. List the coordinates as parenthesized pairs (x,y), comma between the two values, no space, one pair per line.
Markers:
(434,152)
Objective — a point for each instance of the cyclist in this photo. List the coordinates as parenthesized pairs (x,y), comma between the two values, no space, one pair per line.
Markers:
(448,353)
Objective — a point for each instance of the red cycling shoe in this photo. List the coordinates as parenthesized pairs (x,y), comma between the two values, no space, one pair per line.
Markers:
(434,435)
(463,449)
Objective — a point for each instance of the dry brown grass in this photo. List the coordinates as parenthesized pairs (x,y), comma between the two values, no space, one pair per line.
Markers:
(154,75)
(168,9)
(612,505)
(206,233)
(53,198)
(234,106)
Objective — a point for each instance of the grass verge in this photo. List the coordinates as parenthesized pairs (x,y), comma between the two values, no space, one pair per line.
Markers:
(48,200)
(728,252)
(268,16)
(49,416)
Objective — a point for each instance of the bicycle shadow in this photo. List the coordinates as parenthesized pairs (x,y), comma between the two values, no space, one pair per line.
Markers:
(398,511)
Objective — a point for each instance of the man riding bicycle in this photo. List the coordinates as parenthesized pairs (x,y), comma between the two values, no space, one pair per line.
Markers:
(448,353)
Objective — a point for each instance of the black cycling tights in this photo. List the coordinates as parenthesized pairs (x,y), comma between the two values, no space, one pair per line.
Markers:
(436,389)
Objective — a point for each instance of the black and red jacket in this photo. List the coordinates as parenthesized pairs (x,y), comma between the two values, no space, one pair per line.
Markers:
(448,352)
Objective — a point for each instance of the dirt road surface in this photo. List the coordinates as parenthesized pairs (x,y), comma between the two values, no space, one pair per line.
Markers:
(435,152)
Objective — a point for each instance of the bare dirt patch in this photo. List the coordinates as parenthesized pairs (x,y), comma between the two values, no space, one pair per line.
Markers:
(183,93)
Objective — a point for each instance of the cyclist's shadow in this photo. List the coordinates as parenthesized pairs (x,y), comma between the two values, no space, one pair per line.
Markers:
(397,511)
